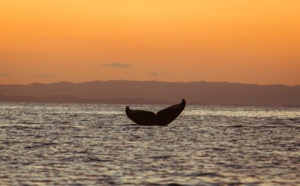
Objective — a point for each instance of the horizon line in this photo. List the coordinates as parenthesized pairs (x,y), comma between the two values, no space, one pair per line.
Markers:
(57,82)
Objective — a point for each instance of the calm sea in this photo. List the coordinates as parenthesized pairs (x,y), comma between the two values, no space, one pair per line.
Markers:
(90,144)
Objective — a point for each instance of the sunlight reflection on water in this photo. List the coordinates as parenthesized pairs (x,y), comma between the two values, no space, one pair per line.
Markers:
(96,144)
(244,111)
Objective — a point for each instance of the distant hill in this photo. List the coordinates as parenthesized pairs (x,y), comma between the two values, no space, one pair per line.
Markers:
(153,92)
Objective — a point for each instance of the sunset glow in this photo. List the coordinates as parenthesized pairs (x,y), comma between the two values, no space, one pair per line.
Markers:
(168,40)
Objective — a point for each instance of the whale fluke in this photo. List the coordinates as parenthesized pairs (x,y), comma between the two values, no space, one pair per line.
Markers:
(161,118)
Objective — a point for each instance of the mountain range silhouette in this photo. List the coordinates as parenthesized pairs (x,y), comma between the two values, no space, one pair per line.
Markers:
(154,92)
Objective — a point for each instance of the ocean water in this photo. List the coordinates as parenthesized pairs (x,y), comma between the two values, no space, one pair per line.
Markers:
(94,144)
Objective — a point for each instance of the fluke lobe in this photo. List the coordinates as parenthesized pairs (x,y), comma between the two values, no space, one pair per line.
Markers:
(161,118)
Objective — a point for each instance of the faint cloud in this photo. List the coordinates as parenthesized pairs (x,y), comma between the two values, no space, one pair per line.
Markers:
(45,75)
(117,65)
(153,74)
(3,75)
(3,65)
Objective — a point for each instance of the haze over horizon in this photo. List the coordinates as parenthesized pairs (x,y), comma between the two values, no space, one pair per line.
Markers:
(249,42)
(154,92)
(57,82)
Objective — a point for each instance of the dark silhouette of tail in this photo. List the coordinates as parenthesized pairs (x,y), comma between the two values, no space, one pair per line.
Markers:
(162,118)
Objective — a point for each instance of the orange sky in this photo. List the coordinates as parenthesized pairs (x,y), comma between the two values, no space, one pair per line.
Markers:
(46,41)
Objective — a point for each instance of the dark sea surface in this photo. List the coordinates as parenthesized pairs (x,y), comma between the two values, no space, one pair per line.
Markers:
(93,144)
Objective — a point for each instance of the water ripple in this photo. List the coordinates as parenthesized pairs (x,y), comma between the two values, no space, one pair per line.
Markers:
(77,144)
